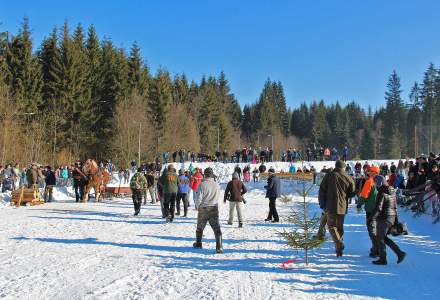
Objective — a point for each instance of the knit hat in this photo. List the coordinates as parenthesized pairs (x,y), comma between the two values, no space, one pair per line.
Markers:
(340,164)
(271,170)
(209,172)
(235,175)
(170,167)
(374,169)
(380,181)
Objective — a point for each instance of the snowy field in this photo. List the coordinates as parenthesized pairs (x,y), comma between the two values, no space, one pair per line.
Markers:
(68,250)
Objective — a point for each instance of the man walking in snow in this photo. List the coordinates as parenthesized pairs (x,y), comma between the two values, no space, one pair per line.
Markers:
(207,206)
(335,190)
(169,183)
(138,184)
(273,191)
(234,194)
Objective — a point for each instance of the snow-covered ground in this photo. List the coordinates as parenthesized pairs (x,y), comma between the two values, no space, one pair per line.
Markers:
(68,250)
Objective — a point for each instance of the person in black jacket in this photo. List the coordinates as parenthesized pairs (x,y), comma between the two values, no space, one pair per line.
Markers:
(273,191)
(385,214)
(50,183)
(79,180)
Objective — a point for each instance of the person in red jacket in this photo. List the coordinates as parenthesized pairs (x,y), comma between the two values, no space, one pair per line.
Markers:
(195,182)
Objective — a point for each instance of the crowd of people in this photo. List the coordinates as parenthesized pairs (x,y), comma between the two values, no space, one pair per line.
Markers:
(257,155)
(377,188)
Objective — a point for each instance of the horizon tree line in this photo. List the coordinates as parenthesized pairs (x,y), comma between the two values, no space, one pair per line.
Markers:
(79,96)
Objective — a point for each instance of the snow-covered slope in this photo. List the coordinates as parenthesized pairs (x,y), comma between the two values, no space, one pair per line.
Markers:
(67,250)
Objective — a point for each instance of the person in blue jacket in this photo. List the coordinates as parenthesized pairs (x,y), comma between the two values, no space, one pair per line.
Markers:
(292,169)
(273,191)
(182,193)
(345,153)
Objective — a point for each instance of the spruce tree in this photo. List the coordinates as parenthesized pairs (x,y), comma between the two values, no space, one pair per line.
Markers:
(138,73)
(24,71)
(367,144)
(301,236)
(394,113)
(159,101)
(429,97)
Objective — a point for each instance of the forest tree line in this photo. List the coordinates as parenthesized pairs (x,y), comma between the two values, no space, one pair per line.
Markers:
(76,96)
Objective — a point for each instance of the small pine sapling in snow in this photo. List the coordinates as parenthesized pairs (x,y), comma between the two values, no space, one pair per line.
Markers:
(301,236)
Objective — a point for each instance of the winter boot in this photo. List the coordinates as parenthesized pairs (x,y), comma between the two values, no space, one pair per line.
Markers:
(218,244)
(400,257)
(198,243)
(229,223)
(373,254)
(381,261)
(240,225)
(340,249)
(318,237)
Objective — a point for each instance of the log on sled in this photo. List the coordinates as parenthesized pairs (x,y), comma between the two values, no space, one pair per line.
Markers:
(294,176)
(118,191)
(26,196)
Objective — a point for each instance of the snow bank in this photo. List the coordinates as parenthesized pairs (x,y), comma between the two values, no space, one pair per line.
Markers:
(5,199)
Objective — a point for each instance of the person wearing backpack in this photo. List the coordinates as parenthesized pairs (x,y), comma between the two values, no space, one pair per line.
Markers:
(386,214)
(138,184)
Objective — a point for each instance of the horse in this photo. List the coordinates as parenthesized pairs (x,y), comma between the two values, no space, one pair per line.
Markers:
(97,178)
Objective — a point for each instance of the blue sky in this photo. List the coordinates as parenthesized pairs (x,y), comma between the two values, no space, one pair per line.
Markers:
(331,50)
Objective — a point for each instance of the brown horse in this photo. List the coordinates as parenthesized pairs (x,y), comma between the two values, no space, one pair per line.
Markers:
(97,178)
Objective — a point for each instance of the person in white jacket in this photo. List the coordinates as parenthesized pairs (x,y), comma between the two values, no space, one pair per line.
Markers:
(207,207)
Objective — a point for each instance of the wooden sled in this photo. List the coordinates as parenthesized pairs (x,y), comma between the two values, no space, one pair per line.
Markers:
(26,196)
(294,176)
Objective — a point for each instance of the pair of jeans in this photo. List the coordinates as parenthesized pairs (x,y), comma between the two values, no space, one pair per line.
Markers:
(48,193)
(208,214)
(169,203)
(322,224)
(383,226)
(238,206)
(184,198)
(273,209)
(335,225)
(372,227)
(137,200)
(78,186)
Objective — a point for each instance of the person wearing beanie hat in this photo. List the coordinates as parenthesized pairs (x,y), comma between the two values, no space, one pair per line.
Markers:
(334,192)
(234,194)
(207,207)
(138,183)
(386,214)
(367,197)
(273,191)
